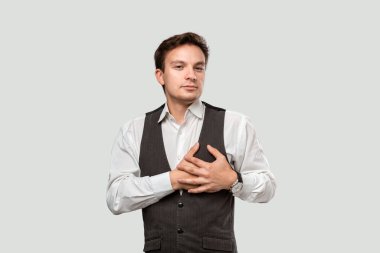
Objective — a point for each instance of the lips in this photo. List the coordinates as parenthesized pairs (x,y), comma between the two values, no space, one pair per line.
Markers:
(189,88)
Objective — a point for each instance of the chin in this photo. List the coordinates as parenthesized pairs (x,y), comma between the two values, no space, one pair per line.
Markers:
(191,98)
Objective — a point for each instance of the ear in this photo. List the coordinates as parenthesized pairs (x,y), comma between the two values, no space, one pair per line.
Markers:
(159,76)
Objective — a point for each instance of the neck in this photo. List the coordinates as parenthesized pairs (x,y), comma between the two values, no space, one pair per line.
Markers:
(178,110)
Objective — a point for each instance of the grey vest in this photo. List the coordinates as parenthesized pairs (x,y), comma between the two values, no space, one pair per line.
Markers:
(188,223)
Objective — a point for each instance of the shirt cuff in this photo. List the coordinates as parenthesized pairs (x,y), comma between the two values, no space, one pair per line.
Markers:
(161,183)
(248,182)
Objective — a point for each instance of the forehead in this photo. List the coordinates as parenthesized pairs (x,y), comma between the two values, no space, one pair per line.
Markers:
(185,53)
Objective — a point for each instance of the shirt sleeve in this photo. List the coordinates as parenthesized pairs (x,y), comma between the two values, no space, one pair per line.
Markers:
(126,190)
(259,184)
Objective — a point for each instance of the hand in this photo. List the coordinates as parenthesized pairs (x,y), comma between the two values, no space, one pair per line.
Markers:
(185,164)
(175,175)
(211,177)
(180,173)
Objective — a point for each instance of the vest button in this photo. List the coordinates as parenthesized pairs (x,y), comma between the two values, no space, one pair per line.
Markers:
(180,204)
(179,231)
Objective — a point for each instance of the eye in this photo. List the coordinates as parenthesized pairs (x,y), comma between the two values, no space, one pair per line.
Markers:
(199,69)
(178,67)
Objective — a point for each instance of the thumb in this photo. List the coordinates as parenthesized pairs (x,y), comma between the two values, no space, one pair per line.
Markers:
(214,151)
(193,149)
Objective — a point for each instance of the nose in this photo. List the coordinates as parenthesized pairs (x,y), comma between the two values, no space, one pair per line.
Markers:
(190,75)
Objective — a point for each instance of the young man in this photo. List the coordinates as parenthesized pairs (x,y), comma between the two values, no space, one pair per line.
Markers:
(184,162)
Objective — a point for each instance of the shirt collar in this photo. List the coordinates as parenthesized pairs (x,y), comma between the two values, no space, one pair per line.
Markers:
(195,108)
(164,112)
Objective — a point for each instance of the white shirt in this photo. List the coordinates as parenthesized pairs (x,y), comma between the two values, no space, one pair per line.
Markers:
(127,191)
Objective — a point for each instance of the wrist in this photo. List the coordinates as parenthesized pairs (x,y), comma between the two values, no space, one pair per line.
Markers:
(237,185)
(232,179)
(173,180)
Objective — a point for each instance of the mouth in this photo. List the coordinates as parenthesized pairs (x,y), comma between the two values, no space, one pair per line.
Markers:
(189,87)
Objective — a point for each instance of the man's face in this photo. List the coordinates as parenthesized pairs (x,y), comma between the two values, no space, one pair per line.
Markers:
(184,74)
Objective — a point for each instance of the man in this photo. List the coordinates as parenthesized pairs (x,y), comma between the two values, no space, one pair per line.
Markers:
(184,162)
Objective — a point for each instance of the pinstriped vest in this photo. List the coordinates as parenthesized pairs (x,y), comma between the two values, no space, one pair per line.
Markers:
(188,223)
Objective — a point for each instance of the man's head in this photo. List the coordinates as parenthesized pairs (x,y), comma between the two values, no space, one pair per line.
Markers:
(180,66)
(176,41)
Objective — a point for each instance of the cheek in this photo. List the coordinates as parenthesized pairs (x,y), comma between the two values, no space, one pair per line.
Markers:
(172,77)
(201,80)
(201,76)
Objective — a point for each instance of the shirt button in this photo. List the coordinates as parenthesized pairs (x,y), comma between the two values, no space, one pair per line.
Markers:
(179,231)
(180,204)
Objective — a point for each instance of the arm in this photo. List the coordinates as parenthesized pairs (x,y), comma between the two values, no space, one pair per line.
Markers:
(126,190)
(259,184)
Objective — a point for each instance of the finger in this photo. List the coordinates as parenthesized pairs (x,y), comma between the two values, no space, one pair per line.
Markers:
(184,164)
(193,150)
(214,152)
(188,186)
(193,181)
(200,172)
(198,162)
(187,169)
(200,189)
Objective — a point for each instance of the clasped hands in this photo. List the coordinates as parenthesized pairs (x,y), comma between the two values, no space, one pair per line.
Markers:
(196,175)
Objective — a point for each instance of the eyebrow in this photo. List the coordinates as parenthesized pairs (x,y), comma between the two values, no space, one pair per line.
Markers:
(182,62)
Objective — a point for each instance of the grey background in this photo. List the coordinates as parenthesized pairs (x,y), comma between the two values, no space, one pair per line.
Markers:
(72,72)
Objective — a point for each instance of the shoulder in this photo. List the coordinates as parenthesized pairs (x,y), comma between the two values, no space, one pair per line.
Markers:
(137,123)
(133,125)
(213,107)
(239,124)
(155,110)
(233,117)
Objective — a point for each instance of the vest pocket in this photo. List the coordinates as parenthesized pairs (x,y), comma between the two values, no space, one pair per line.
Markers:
(217,244)
(152,244)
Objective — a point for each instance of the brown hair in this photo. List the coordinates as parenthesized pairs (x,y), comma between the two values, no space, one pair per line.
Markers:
(176,41)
